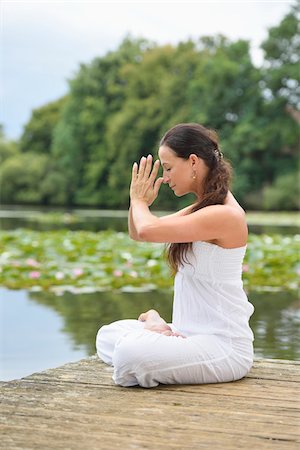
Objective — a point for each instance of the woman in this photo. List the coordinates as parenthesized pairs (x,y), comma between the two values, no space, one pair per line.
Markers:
(209,339)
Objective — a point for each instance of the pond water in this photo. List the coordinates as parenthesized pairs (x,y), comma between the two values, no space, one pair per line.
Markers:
(40,330)
(47,218)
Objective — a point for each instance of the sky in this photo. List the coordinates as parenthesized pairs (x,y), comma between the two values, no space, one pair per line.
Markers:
(43,42)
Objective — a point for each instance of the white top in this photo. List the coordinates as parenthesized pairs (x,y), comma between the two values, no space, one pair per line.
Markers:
(208,293)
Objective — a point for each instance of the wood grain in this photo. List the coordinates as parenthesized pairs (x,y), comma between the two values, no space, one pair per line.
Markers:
(77,406)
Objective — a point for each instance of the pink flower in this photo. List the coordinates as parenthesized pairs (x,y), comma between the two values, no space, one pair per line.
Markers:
(77,272)
(118,273)
(32,262)
(34,274)
(298,271)
(245,268)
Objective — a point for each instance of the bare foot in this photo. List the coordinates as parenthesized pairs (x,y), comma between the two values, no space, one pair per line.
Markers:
(152,314)
(154,322)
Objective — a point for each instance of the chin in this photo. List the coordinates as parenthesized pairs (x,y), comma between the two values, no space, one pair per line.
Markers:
(179,194)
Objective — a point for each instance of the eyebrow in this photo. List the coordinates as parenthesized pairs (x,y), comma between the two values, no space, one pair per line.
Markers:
(163,164)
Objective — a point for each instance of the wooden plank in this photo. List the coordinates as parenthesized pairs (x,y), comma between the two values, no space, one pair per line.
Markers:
(77,406)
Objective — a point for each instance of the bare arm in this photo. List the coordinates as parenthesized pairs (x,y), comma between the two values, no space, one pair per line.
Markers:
(131,227)
(210,223)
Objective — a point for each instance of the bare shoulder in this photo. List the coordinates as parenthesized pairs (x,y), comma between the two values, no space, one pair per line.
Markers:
(234,226)
(223,211)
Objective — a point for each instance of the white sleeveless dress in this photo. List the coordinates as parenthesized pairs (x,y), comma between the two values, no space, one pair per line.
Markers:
(210,308)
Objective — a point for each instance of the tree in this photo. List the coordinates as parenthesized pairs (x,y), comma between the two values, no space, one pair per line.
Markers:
(282,58)
(80,140)
(119,106)
(21,176)
(37,134)
(281,89)
(8,148)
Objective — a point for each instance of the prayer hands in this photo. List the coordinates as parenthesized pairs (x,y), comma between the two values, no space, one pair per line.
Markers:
(143,185)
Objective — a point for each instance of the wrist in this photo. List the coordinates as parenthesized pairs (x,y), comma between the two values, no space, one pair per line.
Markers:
(138,202)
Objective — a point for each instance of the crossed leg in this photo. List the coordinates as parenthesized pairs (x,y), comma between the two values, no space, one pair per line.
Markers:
(146,358)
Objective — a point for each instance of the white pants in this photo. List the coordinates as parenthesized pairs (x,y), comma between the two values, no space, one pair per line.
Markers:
(145,358)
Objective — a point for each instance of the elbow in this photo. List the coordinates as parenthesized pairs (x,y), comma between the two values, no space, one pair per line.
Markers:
(134,237)
(143,234)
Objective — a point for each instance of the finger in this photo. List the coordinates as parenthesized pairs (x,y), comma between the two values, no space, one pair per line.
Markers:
(154,171)
(134,171)
(148,166)
(157,185)
(142,168)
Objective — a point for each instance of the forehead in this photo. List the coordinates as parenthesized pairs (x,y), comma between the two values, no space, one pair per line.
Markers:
(166,154)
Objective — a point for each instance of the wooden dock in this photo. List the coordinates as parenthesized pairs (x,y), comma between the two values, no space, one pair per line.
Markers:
(77,406)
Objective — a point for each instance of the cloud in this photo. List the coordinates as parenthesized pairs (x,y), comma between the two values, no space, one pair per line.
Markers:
(43,41)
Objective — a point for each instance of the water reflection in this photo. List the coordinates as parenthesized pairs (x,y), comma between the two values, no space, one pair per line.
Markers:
(41,330)
(276,325)
(32,337)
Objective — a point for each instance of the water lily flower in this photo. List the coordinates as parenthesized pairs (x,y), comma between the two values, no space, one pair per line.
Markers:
(32,262)
(34,274)
(126,255)
(151,263)
(77,272)
(118,273)
(59,275)
(245,268)
(133,274)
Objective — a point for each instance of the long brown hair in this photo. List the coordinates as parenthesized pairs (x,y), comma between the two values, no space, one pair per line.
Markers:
(192,138)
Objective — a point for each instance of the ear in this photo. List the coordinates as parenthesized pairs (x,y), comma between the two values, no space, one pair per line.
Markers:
(194,159)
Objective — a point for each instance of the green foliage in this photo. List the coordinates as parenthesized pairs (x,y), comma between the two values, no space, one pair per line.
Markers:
(86,262)
(119,106)
(81,138)
(37,134)
(8,149)
(282,56)
(21,177)
(284,194)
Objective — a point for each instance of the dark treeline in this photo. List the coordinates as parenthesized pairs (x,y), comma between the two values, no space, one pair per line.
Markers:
(79,150)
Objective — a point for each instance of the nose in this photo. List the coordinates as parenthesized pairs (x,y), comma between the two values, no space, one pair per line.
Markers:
(166,178)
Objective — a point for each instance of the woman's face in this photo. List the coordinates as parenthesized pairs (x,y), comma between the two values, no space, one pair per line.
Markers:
(178,172)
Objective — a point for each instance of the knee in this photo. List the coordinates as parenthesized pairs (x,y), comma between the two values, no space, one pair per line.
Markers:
(128,352)
(103,344)
(131,362)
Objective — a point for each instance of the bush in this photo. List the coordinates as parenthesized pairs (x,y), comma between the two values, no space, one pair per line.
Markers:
(283,194)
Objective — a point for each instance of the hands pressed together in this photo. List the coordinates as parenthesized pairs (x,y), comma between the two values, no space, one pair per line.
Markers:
(144,185)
